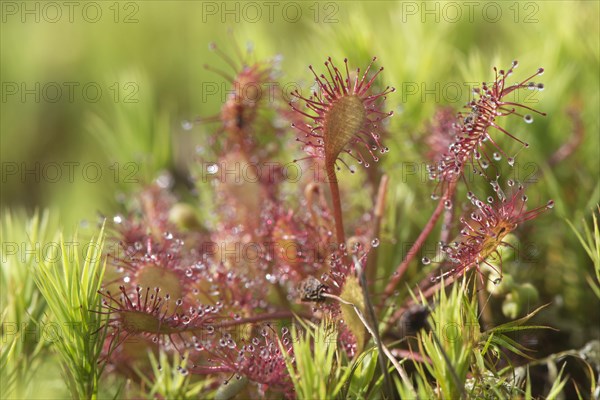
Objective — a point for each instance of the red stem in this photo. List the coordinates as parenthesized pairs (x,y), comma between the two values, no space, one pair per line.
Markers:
(401,269)
(337,204)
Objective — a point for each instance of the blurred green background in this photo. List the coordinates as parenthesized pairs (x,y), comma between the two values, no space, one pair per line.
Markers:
(94,95)
(70,75)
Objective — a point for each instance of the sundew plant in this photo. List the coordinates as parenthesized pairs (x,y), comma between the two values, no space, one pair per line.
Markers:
(327,200)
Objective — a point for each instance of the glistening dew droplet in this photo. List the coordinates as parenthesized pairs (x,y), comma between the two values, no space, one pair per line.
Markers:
(212,169)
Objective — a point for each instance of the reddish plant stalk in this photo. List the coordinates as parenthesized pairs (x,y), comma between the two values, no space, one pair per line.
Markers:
(337,204)
(401,269)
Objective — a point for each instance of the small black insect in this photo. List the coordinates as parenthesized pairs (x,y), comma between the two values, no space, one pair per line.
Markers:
(414,319)
(311,289)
